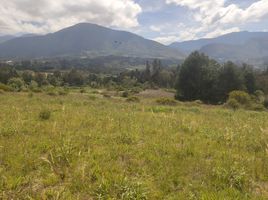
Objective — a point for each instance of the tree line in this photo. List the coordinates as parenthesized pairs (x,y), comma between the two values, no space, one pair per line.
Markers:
(197,78)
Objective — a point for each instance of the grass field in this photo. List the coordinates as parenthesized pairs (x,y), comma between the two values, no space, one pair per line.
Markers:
(90,147)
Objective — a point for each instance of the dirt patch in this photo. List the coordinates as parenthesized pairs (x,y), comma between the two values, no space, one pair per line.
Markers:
(156,94)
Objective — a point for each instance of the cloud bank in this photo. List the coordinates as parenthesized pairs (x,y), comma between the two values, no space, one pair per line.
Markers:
(215,18)
(42,16)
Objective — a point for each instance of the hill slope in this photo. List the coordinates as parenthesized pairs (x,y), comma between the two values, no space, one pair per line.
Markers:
(250,47)
(86,40)
(237,38)
(5,38)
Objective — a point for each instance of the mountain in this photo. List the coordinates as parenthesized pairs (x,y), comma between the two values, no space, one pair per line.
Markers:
(252,51)
(5,38)
(86,40)
(236,38)
(249,47)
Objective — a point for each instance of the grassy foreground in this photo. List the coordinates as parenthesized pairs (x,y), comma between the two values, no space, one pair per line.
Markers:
(101,148)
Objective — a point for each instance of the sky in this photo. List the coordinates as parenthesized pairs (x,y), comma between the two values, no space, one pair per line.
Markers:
(165,21)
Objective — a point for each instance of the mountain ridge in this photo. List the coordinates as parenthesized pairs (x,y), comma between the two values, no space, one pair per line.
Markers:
(86,39)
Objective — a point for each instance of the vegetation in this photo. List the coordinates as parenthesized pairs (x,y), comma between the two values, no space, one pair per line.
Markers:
(109,149)
(201,78)
(74,134)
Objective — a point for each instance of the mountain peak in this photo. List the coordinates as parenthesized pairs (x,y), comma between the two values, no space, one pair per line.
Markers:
(86,39)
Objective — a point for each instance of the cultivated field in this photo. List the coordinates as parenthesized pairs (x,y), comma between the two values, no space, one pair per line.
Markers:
(86,146)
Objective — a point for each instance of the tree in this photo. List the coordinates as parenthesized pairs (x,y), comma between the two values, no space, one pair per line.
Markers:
(27,76)
(7,73)
(249,79)
(74,78)
(40,78)
(197,78)
(230,79)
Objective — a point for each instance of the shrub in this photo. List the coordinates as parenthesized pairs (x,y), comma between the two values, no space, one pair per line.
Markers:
(133,99)
(83,90)
(233,103)
(5,88)
(136,90)
(166,101)
(260,97)
(16,84)
(258,107)
(45,114)
(241,97)
(125,94)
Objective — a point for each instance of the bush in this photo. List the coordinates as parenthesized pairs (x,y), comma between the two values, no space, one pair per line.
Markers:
(241,97)
(133,99)
(260,97)
(258,107)
(5,88)
(16,84)
(2,91)
(233,103)
(166,101)
(45,114)
(125,94)
(83,90)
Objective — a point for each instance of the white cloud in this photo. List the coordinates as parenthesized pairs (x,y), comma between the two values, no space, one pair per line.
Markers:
(42,16)
(155,28)
(210,12)
(220,31)
(215,18)
(180,35)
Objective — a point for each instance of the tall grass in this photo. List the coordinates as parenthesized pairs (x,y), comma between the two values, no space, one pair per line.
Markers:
(111,149)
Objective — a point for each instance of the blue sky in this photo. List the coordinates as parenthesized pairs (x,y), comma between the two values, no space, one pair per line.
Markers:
(165,21)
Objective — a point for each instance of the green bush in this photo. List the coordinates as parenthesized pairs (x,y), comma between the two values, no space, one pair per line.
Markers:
(241,97)
(133,99)
(258,107)
(125,94)
(16,84)
(260,97)
(45,114)
(5,88)
(166,101)
(83,90)
(233,104)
